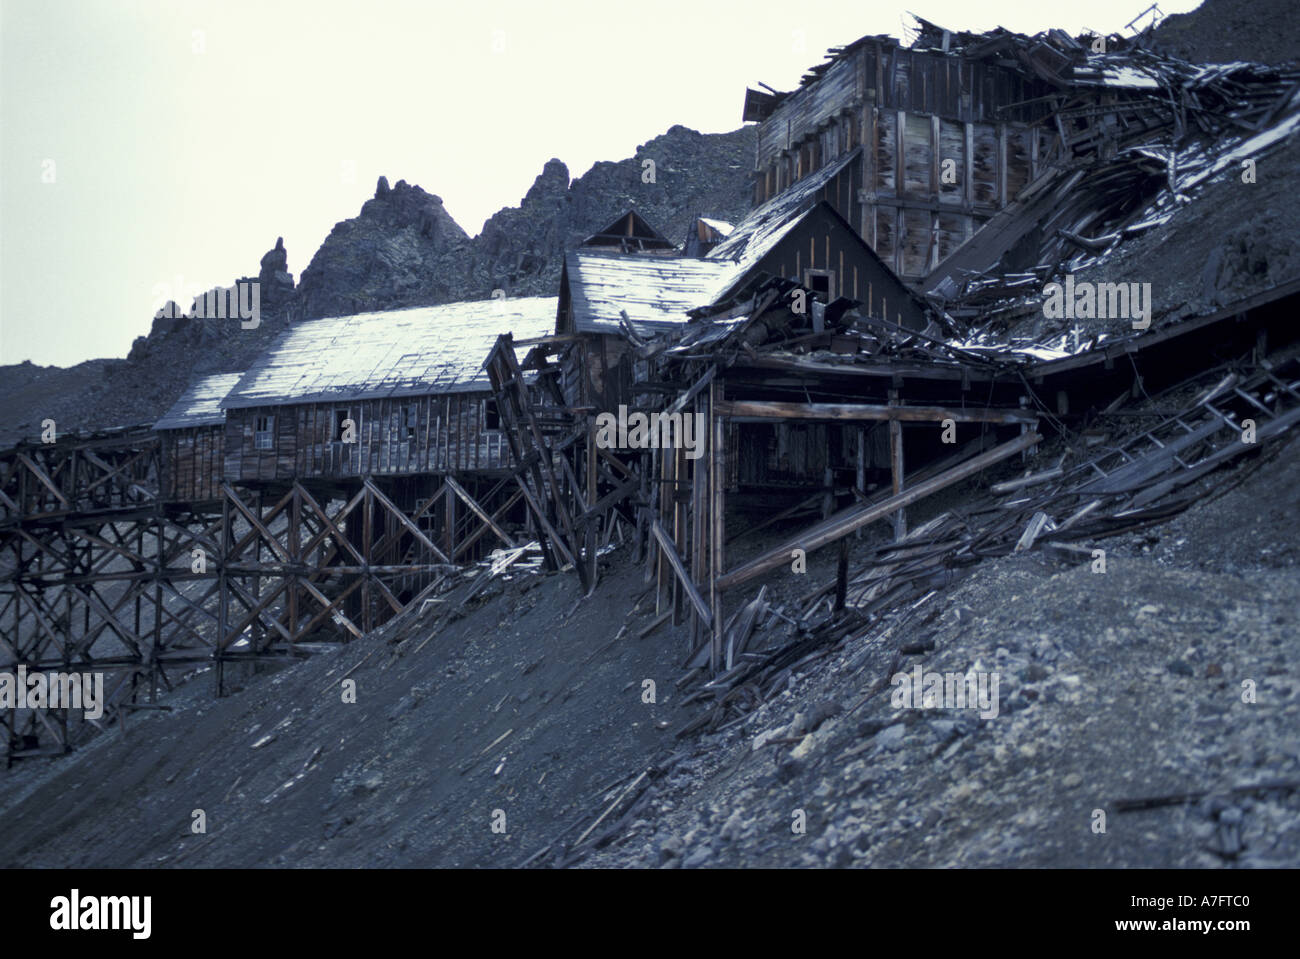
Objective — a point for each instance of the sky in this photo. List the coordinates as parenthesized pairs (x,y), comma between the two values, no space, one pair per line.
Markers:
(149,146)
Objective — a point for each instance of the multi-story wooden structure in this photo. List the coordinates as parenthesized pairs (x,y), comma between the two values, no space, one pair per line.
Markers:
(918,147)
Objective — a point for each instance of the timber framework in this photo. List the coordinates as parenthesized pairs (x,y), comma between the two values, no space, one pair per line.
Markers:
(869,341)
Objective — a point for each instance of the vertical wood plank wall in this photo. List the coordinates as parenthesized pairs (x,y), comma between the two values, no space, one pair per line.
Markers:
(192,463)
(443,433)
(911,111)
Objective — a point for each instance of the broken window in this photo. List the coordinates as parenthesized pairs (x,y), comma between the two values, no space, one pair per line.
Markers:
(491,415)
(340,424)
(821,283)
(263,434)
(410,416)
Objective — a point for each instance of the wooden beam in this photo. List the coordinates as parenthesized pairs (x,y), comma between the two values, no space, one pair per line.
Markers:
(696,388)
(45,480)
(411,527)
(846,521)
(742,410)
(256,523)
(717,519)
(896,464)
(481,513)
(540,514)
(469,541)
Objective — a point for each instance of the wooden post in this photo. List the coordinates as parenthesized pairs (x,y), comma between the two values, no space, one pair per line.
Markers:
(679,526)
(861,478)
(896,465)
(449,520)
(223,600)
(699,512)
(295,546)
(367,538)
(591,499)
(717,523)
(842,575)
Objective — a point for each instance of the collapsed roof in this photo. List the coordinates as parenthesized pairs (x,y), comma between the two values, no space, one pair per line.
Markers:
(1137,136)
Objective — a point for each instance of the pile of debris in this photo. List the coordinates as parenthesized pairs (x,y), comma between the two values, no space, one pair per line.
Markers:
(1109,481)
(1136,157)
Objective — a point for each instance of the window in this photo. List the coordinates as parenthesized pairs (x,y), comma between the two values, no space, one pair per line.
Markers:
(340,424)
(410,416)
(264,434)
(821,283)
(491,415)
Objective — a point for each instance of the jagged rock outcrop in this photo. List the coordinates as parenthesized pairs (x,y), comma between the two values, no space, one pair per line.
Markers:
(404,249)
(275,280)
(521,248)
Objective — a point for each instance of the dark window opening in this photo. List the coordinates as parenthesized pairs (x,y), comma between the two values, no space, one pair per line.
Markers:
(821,283)
(340,424)
(491,415)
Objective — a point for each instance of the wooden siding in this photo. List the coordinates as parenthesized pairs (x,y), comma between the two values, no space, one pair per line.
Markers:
(822,242)
(596,372)
(912,110)
(444,433)
(191,463)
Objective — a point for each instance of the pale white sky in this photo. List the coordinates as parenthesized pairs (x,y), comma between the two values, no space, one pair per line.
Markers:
(186,136)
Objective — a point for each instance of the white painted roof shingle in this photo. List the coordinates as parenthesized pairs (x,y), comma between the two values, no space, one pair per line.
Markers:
(427,349)
(200,404)
(655,291)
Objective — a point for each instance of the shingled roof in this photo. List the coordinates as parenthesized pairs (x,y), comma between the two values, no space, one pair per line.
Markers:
(759,231)
(656,292)
(428,349)
(200,404)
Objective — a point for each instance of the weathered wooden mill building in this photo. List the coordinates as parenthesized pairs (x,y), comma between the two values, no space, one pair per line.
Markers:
(363,460)
(394,394)
(922,146)
(392,415)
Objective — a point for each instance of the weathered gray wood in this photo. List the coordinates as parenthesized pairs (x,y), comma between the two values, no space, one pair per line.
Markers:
(743,410)
(846,521)
(669,552)
(480,512)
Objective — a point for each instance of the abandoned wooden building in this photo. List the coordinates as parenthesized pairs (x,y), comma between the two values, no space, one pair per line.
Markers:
(597,290)
(393,394)
(193,434)
(816,247)
(844,347)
